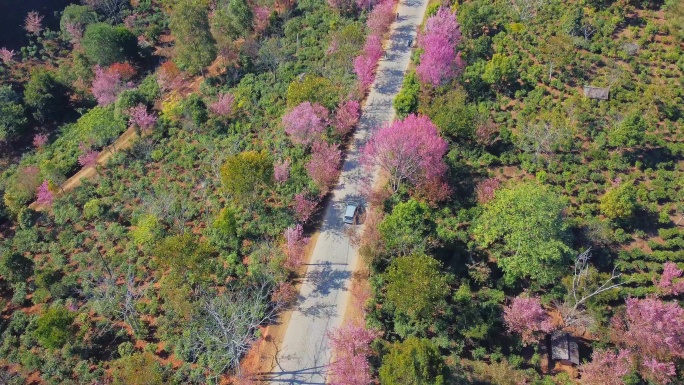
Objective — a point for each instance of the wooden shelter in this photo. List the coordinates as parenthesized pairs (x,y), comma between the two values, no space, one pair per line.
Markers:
(564,348)
(596,93)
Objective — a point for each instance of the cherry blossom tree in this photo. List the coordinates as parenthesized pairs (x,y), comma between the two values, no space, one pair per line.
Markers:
(281,171)
(373,48)
(6,55)
(667,284)
(439,61)
(74,32)
(324,164)
(223,106)
(304,207)
(381,17)
(44,195)
(88,158)
(40,140)
(364,68)
(526,317)
(606,367)
(305,123)
(351,348)
(33,23)
(347,117)
(652,328)
(141,118)
(485,190)
(169,76)
(660,373)
(262,18)
(295,242)
(107,86)
(408,150)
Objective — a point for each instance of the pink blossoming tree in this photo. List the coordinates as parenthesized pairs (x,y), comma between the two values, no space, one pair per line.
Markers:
(33,23)
(295,242)
(305,123)
(40,140)
(660,373)
(107,86)
(44,195)
(408,150)
(74,32)
(351,347)
(439,61)
(606,367)
(346,117)
(485,190)
(381,17)
(223,106)
(88,158)
(304,207)
(364,68)
(6,55)
(141,118)
(262,18)
(324,165)
(667,283)
(526,317)
(281,171)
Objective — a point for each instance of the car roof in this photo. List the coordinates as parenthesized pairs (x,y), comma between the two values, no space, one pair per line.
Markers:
(349,212)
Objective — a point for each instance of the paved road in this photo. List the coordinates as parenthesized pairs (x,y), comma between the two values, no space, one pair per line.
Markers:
(324,295)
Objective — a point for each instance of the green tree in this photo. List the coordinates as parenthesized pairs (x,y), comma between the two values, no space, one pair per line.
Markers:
(407,229)
(186,256)
(138,369)
(452,115)
(501,70)
(45,95)
(629,132)
(105,44)
(224,230)
(523,228)
(416,286)
(406,101)
(246,174)
(53,328)
(148,229)
(232,19)
(12,114)
(412,362)
(74,14)
(557,52)
(15,267)
(619,203)
(195,47)
(314,89)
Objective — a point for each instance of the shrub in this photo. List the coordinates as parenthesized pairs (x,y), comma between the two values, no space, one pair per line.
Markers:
(53,328)
(105,45)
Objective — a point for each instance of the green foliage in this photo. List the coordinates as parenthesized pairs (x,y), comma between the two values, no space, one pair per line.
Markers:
(629,132)
(195,47)
(416,286)
(93,209)
(139,368)
(224,229)
(406,230)
(187,257)
(314,89)
(620,202)
(12,114)
(523,227)
(53,327)
(500,70)
(75,14)
(105,44)
(45,95)
(233,19)
(452,115)
(412,362)
(15,268)
(406,101)
(246,174)
(148,229)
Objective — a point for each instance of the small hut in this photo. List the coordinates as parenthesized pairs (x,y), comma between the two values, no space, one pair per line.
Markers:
(564,348)
(596,93)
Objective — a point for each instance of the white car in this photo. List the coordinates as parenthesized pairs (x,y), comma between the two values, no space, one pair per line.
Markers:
(351,213)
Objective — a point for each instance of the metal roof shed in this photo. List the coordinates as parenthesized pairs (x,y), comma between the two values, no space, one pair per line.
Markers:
(564,348)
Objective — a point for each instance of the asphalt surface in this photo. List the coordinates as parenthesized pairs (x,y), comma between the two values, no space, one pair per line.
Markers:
(324,294)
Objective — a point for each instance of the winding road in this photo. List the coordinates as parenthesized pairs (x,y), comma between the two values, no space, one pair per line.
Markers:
(324,294)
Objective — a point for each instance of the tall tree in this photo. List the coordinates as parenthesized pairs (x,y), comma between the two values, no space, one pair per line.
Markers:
(412,362)
(439,61)
(246,174)
(12,114)
(105,45)
(523,228)
(195,46)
